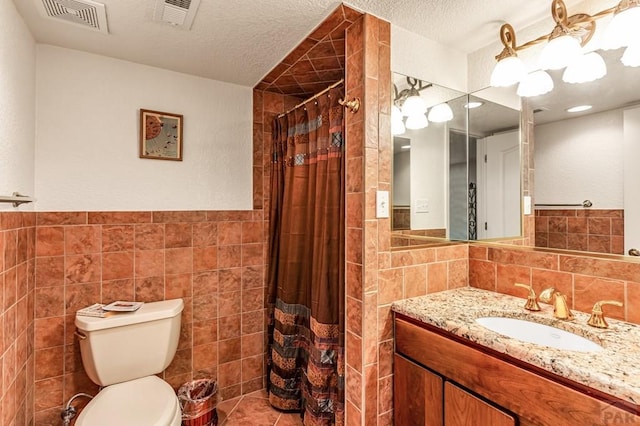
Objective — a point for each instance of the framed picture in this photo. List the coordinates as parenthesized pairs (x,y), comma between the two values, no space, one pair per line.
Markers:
(160,135)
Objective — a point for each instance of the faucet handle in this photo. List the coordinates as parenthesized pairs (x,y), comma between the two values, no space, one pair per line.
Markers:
(560,307)
(597,316)
(532,303)
(546,295)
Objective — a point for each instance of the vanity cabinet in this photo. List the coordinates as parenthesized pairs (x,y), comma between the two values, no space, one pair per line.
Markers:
(422,398)
(443,379)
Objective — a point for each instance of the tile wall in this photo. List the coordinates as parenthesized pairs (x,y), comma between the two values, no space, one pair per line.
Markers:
(593,230)
(584,278)
(214,261)
(17,247)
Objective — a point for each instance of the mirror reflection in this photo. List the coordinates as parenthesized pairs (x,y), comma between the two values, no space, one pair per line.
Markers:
(456,165)
(588,157)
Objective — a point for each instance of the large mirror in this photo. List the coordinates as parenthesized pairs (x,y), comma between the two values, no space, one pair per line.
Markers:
(586,195)
(451,150)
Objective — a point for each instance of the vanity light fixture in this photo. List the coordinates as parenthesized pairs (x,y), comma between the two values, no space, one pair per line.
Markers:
(535,84)
(579,108)
(440,113)
(408,103)
(397,125)
(564,47)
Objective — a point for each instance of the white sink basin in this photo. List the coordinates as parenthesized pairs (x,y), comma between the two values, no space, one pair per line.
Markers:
(540,334)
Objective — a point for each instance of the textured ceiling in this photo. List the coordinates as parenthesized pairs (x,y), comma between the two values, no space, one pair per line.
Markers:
(241,41)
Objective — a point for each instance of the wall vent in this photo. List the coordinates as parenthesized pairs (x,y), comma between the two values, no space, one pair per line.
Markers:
(83,13)
(177,13)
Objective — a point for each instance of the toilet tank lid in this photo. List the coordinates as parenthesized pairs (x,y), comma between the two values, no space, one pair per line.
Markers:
(148,312)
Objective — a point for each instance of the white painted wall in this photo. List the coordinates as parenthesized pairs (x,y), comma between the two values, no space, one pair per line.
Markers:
(429,176)
(579,159)
(17,106)
(419,57)
(87,137)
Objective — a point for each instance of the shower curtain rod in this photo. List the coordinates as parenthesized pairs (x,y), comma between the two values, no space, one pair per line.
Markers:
(336,84)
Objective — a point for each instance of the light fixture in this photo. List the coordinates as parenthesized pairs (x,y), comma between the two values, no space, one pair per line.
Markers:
(535,84)
(397,126)
(564,46)
(408,103)
(473,104)
(631,56)
(585,68)
(579,108)
(440,113)
(405,147)
(412,103)
(416,121)
(623,28)
(510,69)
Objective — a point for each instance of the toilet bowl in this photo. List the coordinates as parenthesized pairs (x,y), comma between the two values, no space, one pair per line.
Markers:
(123,353)
(149,401)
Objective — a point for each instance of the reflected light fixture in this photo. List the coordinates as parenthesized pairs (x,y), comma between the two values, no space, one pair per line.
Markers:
(440,113)
(564,47)
(473,104)
(579,108)
(416,121)
(397,125)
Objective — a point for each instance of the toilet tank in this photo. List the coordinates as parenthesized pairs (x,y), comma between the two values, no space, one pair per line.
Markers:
(128,346)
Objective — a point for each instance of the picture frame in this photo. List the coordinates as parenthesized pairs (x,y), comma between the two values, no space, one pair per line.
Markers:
(160,135)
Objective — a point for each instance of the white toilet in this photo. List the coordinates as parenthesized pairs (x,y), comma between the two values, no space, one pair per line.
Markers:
(123,353)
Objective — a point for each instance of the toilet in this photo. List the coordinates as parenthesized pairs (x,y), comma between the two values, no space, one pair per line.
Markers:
(123,353)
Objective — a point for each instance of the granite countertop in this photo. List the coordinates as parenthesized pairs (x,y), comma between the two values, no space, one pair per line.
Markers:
(614,371)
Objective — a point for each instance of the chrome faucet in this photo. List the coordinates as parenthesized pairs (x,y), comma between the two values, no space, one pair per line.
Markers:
(559,301)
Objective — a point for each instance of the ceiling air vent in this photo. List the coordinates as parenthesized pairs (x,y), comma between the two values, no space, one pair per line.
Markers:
(83,13)
(178,13)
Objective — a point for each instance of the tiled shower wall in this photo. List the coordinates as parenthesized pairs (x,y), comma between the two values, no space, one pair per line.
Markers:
(17,248)
(213,260)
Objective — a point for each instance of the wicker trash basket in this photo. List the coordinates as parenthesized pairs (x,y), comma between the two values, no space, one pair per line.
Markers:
(198,399)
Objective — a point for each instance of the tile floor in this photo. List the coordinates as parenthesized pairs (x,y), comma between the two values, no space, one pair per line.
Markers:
(254,410)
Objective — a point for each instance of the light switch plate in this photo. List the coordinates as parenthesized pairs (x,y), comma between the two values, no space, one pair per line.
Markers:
(422,205)
(382,204)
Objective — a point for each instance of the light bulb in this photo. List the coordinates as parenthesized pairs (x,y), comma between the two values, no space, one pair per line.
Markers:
(413,105)
(535,84)
(623,28)
(508,71)
(559,52)
(396,114)
(631,56)
(417,121)
(585,68)
(397,127)
(440,113)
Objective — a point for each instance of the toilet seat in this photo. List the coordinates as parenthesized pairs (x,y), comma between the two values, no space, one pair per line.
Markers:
(149,401)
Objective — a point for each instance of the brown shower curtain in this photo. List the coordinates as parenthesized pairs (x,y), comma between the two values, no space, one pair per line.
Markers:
(306,268)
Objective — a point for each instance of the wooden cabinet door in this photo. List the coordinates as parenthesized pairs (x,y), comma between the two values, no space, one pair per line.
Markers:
(463,409)
(417,395)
